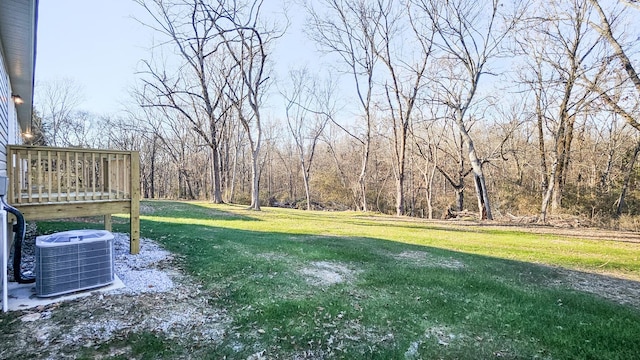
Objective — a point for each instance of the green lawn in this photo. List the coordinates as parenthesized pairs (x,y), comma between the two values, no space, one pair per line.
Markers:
(362,286)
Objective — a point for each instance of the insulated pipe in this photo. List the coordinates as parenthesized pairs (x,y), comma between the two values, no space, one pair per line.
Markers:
(19,229)
(5,250)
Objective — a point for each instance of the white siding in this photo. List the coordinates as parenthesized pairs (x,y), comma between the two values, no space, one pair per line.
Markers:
(5,104)
(14,134)
(9,128)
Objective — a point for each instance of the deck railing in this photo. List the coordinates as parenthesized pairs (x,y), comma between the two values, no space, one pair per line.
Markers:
(51,183)
(46,175)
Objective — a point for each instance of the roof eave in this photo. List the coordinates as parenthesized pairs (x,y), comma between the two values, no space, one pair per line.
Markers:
(18,31)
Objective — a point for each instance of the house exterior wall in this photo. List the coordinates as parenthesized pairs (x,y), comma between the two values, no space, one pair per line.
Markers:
(9,133)
(5,98)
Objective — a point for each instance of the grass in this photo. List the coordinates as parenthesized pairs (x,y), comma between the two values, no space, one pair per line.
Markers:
(410,289)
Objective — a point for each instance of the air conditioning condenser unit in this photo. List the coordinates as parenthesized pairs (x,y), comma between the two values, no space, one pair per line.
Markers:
(73,260)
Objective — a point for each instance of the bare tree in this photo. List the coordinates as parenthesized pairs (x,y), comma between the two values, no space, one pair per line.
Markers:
(405,74)
(423,112)
(309,107)
(57,102)
(562,52)
(232,140)
(535,79)
(344,158)
(195,91)
(446,153)
(626,106)
(428,138)
(128,133)
(470,34)
(178,145)
(81,130)
(246,42)
(344,28)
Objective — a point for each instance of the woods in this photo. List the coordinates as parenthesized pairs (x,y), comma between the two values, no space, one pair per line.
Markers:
(414,106)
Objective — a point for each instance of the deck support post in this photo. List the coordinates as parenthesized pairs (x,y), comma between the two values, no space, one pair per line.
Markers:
(108,224)
(134,218)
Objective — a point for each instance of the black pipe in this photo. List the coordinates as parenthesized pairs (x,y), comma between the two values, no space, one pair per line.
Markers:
(19,228)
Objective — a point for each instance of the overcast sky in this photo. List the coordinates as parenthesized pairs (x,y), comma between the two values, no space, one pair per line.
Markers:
(98,44)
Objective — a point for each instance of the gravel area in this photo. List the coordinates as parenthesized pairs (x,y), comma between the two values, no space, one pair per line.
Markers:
(139,273)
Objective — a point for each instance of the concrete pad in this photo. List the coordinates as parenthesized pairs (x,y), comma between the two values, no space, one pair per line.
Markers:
(23,296)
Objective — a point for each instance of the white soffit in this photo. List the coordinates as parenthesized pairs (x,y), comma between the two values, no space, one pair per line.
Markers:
(18,21)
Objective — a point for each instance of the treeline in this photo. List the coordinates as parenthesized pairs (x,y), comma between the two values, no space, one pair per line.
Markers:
(503,108)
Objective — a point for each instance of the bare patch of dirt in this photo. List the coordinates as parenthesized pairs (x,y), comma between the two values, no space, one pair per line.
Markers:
(621,291)
(421,258)
(325,273)
(443,335)
(272,256)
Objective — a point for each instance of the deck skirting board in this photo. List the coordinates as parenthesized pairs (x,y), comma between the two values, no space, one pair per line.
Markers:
(73,209)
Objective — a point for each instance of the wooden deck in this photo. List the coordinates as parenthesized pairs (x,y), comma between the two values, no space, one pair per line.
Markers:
(53,183)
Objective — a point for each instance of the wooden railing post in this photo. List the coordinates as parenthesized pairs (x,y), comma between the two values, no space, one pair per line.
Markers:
(11,198)
(106,174)
(134,246)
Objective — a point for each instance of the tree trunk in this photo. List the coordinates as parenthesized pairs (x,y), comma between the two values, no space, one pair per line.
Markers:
(563,167)
(546,199)
(556,178)
(152,190)
(480,195)
(189,189)
(544,176)
(363,173)
(234,167)
(459,191)
(428,181)
(180,184)
(484,207)
(217,174)
(255,175)
(400,210)
(556,195)
(305,179)
(604,178)
(400,195)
